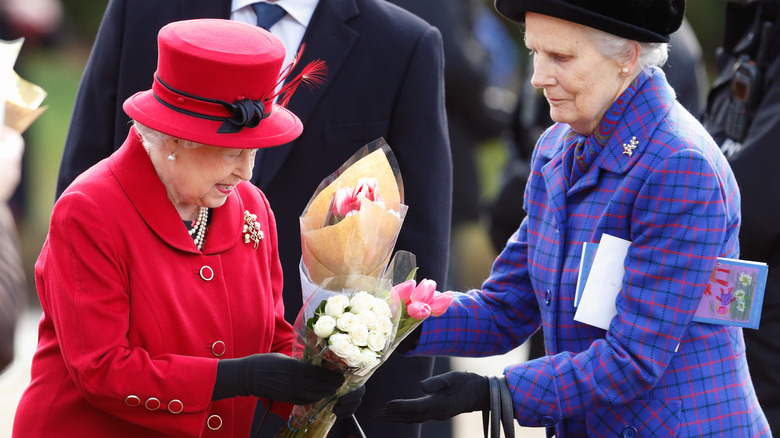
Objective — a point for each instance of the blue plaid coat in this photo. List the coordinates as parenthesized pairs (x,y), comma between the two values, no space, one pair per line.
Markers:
(654,372)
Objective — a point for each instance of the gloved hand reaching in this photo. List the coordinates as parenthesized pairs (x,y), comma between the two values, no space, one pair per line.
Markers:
(275,376)
(349,402)
(449,394)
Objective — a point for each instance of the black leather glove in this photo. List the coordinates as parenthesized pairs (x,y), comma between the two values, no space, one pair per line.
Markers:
(276,377)
(410,341)
(348,403)
(449,394)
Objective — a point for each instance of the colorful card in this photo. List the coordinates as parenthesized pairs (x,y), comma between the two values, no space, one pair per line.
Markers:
(733,296)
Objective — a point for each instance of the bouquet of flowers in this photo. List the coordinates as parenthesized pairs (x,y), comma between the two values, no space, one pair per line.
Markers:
(350,226)
(355,331)
(358,305)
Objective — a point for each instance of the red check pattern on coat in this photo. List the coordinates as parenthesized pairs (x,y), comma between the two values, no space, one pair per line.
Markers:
(654,372)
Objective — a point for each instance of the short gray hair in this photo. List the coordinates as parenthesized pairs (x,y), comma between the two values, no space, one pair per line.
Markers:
(155,139)
(619,49)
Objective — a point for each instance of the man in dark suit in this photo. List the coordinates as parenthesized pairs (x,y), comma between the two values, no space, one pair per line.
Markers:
(385,79)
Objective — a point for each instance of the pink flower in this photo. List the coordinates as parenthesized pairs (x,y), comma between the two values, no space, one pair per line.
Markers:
(344,202)
(419,310)
(421,300)
(424,291)
(347,200)
(368,188)
(440,303)
(403,291)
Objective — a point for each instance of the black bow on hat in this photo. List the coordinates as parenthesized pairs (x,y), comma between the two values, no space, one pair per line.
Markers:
(246,113)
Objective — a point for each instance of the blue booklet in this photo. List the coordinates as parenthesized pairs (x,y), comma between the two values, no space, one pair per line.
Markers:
(734,295)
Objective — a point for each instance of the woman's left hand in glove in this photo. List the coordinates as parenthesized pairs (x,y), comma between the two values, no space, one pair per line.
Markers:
(348,403)
(448,395)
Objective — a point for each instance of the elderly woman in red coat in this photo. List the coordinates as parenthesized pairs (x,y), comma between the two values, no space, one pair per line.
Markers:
(160,280)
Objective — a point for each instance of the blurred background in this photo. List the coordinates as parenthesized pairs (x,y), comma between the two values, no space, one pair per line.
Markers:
(58,37)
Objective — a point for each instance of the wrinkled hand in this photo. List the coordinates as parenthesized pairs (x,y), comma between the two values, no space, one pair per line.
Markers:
(276,377)
(348,403)
(448,395)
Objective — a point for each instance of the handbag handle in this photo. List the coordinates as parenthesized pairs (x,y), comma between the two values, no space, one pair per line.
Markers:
(501,412)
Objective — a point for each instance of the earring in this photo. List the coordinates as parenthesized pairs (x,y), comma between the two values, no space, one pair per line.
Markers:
(624,70)
(172,156)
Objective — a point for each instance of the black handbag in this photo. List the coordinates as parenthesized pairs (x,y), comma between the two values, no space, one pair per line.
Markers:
(501,412)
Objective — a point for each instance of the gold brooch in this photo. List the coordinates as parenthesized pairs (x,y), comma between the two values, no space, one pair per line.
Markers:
(252,231)
(628,149)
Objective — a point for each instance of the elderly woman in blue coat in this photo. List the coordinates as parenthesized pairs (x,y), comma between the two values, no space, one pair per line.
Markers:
(624,159)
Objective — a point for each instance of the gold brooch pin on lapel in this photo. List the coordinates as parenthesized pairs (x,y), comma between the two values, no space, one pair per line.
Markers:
(251,230)
(628,149)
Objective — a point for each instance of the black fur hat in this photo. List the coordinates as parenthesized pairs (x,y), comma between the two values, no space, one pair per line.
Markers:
(639,20)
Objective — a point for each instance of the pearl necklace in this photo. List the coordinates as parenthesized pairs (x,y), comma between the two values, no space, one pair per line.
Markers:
(199,227)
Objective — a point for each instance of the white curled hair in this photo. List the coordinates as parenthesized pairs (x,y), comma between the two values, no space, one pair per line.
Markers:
(619,49)
(153,139)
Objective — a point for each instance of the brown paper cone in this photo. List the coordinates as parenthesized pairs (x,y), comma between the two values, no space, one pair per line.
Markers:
(374,165)
(358,245)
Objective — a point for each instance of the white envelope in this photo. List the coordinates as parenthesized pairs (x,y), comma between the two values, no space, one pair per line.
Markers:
(597,305)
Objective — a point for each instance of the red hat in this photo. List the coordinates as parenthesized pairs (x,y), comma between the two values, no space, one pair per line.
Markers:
(215,84)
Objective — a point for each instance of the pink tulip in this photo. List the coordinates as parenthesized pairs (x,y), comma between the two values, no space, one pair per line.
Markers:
(367,188)
(403,291)
(424,291)
(344,202)
(440,303)
(419,310)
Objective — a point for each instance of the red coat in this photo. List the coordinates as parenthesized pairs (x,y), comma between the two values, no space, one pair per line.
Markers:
(135,317)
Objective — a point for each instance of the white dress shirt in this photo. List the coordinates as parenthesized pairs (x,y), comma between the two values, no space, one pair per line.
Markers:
(289,29)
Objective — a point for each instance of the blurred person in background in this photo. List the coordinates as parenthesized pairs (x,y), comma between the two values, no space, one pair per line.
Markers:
(162,316)
(623,158)
(474,115)
(385,72)
(743,115)
(39,22)
(13,284)
(475,73)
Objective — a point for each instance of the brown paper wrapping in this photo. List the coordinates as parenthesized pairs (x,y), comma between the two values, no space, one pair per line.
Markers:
(361,244)
(22,106)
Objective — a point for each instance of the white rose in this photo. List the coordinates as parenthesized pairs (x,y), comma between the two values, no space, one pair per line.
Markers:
(376,340)
(384,325)
(381,308)
(354,357)
(361,301)
(367,318)
(359,334)
(336,304)
(369,358)
(324,326)
(341,344)
(346,321)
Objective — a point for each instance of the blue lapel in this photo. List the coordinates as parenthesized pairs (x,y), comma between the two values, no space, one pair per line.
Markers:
(330,39)
(651,103)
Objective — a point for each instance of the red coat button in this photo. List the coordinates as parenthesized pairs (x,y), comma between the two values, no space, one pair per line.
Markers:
(214,422)
(175,406)
(218,348)
(206,273)
(152,404)
(133,401)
